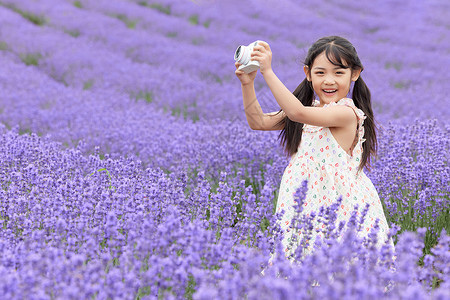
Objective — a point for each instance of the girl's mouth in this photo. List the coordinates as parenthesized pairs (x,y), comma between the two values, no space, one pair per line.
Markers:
(329,92)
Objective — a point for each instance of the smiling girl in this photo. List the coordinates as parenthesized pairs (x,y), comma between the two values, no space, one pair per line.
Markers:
(330,138)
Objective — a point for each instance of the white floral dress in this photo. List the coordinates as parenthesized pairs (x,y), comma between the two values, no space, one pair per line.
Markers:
(331,172)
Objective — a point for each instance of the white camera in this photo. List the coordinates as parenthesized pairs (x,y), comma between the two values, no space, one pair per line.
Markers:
(242,56)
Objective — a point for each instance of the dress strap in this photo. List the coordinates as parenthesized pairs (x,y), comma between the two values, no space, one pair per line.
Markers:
(359,114)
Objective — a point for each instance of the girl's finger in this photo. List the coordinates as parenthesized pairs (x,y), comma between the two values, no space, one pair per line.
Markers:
(258,48)
(264,45)
(256,53)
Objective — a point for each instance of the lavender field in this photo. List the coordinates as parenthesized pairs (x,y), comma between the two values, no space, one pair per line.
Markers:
(128,169)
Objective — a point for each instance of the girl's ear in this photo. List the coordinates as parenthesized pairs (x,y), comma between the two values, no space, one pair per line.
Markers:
(355,74)
(306,70)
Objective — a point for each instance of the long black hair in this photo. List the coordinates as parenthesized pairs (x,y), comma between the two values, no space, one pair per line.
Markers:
(342,53)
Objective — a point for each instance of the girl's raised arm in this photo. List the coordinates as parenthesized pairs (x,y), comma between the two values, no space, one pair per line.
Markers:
(257,120)
(334,116)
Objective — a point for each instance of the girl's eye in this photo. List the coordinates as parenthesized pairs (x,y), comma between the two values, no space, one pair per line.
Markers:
(319,73)
(339,72)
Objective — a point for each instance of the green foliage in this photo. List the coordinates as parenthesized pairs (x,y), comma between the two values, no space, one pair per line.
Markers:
(190,288)
(30,58)
(88,84)
(397,66)
(401,85)
(183,111)
(77,4)
(143,291)
(193,19)
(147,96)
(74,33)
(25,131)
(410,220)
(3,46)
(197,41)
(372,29)
(207,23)
(130,23)
(35,19)
(165,9)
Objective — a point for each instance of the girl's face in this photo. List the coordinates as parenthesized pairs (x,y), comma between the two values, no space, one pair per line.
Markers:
(331,83)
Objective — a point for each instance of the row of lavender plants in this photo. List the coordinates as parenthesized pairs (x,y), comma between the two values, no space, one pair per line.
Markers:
(71,115)
(72,42)
(145,203)
(78,227)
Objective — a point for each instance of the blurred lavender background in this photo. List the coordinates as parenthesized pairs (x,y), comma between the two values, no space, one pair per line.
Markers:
(128,169)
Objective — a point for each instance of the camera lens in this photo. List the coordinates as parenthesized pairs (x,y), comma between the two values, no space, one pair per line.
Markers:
(241,55)
(237,53)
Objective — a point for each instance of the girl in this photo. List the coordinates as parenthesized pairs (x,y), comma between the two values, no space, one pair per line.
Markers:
(330,139)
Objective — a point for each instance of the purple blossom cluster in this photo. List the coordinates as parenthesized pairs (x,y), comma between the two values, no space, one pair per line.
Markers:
(128,169)
(418,195)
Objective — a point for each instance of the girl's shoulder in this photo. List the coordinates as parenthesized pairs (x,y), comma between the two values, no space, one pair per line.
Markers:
(347,102)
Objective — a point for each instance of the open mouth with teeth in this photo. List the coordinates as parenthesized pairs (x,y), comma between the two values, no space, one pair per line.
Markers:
(330,91)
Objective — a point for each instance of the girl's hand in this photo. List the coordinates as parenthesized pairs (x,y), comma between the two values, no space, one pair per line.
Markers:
(244,77)
(263,55)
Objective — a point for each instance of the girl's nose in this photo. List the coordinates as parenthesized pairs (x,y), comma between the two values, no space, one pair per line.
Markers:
(328,80)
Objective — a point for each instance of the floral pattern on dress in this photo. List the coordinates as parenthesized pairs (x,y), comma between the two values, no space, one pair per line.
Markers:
(330,172)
